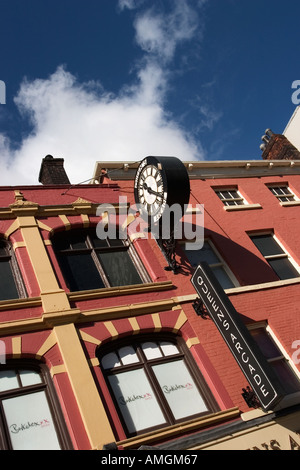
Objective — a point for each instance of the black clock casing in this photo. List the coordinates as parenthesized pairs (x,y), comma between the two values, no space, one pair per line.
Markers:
(160,182)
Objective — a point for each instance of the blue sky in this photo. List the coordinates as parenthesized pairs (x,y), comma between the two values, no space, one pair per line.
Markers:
(122,79)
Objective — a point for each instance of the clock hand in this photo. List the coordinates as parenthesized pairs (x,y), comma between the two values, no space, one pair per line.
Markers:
(151,191)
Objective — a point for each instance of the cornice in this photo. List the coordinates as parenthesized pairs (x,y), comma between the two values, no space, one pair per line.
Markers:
(75,315)
(28,208)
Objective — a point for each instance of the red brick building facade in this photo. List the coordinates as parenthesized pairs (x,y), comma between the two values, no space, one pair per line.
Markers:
(102,346)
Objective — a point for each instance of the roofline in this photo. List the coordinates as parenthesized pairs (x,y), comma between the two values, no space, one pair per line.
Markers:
(208,169)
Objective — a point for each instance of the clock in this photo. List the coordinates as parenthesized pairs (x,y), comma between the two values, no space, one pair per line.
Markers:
(159,183)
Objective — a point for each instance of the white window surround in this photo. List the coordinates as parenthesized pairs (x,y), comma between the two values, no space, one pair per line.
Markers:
(294,199)
(286,253)
(240,203)
(292,398)
(220,264)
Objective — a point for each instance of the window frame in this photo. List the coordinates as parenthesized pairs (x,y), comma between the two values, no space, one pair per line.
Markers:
(46,386)
(237,199)
(91,249)
(221,264)
(9,256)
(146,365)
(284,255)
(290,196)
(283,357)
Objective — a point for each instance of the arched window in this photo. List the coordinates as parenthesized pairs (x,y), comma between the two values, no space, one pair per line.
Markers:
(11,285)
(30,418)
(154,382)
(88,262)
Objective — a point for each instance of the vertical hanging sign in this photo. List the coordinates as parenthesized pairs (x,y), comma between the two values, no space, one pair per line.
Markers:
(237,337)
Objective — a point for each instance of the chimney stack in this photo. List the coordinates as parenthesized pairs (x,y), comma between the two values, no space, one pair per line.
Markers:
(278,147)
(52,171)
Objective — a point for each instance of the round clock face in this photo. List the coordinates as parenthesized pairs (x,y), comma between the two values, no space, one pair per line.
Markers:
(159,183)
(150,190)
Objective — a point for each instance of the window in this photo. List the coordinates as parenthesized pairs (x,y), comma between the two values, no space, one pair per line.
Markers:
(277,360)
(283,193)
(231,197)
(209,254)
(30,418)
(11,286)
(278,259)
(88,262)
(154,384)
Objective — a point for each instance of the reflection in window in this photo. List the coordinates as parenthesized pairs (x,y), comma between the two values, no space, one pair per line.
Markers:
(276,359)
(231,197)
(153,385)
(283,193)
(11,286)
(208,253)
(28,413)
(88,262)
(278,259)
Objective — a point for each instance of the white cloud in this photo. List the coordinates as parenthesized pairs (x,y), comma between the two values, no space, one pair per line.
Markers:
(160,34)
(83,123)
(130,4)
(75,122)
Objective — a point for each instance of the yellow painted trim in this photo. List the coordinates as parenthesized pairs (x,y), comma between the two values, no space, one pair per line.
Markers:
(12,304)
(93,414)
(179,429)
(180,321)
(53,298)
(59,316)
(112,330)
(65,221)
(135,236)
(122,290)
(156,320)
(18,245)
(47,345)
(191,342)
(59,369)
(85,220)
(43,226)
(48,242)
(17,346)
(134,325)
(12,228)
(94,362)
(130,218)
(90,339)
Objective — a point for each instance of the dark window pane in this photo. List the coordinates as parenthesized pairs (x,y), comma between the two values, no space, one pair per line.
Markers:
(203,254)
(267,245)
(115,242)
(265,343)
(8,289)
(61,243)
(99,242)
(3,250)
(223,278)
(77,240)
(286,376)
(279,365)
(119,268)
(283,268)
(80,272)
